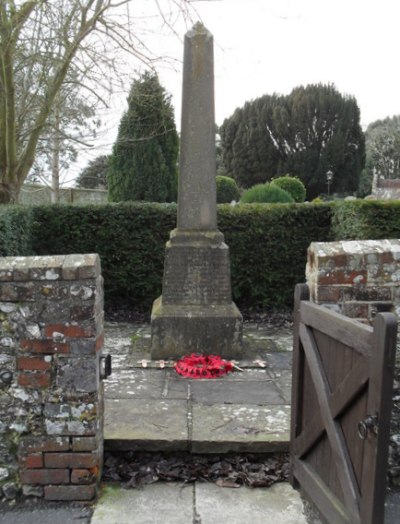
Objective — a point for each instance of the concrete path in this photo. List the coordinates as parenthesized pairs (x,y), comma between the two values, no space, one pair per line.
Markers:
(149,408)
(199,503)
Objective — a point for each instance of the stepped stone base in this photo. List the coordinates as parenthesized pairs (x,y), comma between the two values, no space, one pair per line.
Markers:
(178,330)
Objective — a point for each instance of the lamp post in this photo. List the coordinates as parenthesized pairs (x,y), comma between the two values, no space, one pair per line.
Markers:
(329,178)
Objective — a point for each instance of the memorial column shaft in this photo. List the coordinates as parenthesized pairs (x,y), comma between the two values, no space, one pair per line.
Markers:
(197,186)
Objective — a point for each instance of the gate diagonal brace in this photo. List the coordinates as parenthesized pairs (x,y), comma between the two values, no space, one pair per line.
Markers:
(338,401)
(333,430)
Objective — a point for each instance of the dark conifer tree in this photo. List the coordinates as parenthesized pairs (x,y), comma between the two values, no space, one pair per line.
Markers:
(94,175)
(143,164)
(307,133)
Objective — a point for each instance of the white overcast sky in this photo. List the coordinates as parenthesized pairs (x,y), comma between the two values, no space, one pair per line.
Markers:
(267,46)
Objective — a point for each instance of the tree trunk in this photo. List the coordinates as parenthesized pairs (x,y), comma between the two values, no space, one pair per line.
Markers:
(8,193)
(55,161)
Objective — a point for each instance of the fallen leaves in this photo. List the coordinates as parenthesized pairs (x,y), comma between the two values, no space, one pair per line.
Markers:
(134,469)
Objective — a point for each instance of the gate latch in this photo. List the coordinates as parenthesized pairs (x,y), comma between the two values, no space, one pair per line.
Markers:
(369,423)
(105,367)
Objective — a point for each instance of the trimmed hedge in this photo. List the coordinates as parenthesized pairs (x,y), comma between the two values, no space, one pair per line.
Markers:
(129,238)
(15,231)
(366,219)
(268,243)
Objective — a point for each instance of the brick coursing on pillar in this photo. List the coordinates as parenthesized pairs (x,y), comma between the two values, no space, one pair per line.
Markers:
(356,278)
(51,396)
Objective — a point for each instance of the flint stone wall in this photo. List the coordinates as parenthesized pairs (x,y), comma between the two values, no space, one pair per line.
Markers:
(51,397)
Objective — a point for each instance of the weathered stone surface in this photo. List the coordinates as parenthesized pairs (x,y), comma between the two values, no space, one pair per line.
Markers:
(129,425)
(196,272)
(251,389)
(10,490)
(163,502)
(197,187)
(279,504)
(202,502)
(135,383)
(178,330)
(224,428)
(51,327)
(237,391)
(79,374)
(358,278)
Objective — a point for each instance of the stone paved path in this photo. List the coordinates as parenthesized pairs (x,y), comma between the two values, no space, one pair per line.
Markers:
(157,409)
(152,409)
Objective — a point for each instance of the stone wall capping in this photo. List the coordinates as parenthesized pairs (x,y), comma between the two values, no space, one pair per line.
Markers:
(81,266)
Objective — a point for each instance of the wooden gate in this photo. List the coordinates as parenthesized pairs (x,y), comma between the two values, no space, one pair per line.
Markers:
(341,404)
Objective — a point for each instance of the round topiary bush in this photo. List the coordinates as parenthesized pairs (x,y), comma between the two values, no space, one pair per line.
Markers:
(227,190)
(266,193)
(293,185)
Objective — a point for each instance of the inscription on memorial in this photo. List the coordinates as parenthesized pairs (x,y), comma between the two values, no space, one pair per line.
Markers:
(197,276)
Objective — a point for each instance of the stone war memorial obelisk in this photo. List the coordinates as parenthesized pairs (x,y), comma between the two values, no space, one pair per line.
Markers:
(195,312)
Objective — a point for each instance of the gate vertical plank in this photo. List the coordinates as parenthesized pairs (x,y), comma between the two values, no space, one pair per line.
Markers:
(301,293)
(379,402)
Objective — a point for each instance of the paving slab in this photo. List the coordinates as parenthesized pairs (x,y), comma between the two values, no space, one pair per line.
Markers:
(175,386)
(239,391)
(240,428)
(282,380)
(279,360)
(146,424)
(42,512)
(161,503)
(278,504)
(135,383)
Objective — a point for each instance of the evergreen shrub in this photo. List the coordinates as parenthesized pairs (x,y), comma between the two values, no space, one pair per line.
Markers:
(227,190)
(267,194)
(268,246)
(129,237)
(15,231)
(143,163)
(366,219)
(293,185)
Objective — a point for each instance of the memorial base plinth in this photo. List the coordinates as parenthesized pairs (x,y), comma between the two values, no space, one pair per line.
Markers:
(178,330)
